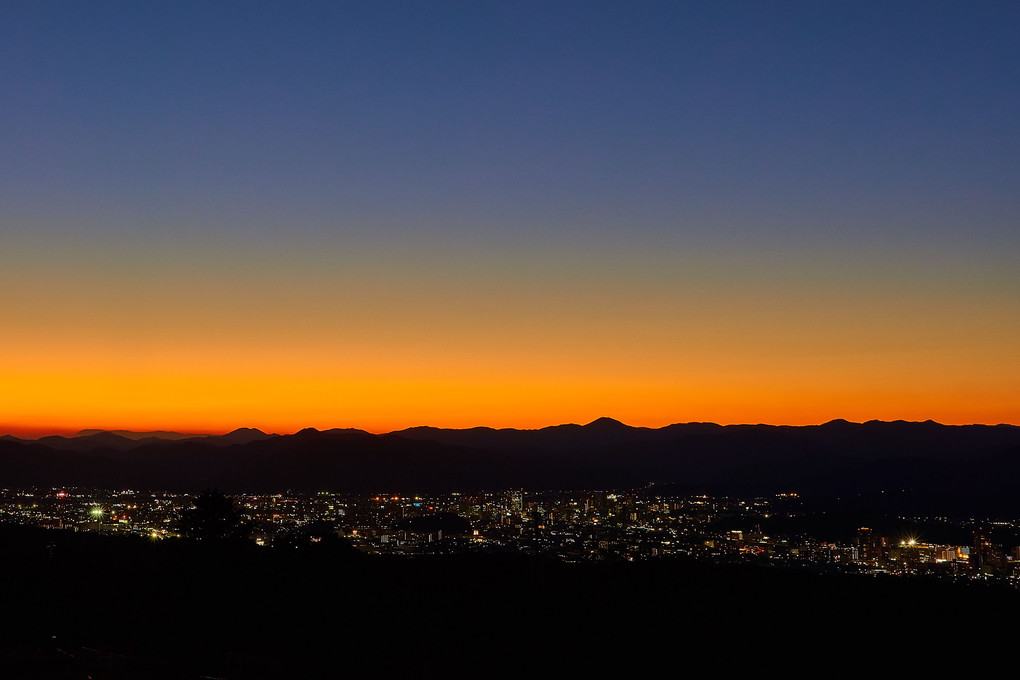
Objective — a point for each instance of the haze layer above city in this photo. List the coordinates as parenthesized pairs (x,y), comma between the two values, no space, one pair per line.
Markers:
(277,216)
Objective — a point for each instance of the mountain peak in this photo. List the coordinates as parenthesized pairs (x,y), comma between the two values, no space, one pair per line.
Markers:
(246,430)
(606,423)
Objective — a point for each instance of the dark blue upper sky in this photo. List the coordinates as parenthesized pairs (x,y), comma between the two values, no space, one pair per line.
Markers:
(493,115)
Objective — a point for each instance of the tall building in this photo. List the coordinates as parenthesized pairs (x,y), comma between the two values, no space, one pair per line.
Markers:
(869,545)
(983,555)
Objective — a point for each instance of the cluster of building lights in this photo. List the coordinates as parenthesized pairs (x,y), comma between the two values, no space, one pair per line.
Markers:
(572,526)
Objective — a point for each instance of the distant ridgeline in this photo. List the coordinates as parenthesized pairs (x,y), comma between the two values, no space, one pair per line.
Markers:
(945,468)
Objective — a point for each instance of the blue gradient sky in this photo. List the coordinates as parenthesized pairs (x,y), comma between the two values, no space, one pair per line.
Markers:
(767,195)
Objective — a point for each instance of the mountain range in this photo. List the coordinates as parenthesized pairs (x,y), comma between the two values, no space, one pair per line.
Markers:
(922,464)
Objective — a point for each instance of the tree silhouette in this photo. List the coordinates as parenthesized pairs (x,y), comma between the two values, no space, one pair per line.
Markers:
(213,517)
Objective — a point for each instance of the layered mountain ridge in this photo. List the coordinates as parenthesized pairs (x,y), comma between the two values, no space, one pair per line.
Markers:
(952,466)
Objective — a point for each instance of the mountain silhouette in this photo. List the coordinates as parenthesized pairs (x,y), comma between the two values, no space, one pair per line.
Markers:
(131,434)
(975,466)
(242,435)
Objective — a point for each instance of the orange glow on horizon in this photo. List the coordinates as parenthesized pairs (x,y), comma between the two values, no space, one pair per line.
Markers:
(381,351)
(284,404)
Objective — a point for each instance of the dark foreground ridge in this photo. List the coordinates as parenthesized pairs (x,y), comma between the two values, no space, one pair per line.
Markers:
(98,606)
(954,469)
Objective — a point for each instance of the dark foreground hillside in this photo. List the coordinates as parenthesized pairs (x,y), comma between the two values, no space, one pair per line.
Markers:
(83,605)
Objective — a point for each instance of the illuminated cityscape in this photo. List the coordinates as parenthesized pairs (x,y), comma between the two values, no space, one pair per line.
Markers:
(569,526)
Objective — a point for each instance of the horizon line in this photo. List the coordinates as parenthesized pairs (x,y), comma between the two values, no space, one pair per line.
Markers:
(32,433)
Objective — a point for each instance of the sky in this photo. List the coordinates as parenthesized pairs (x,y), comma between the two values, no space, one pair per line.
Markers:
(514,214)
